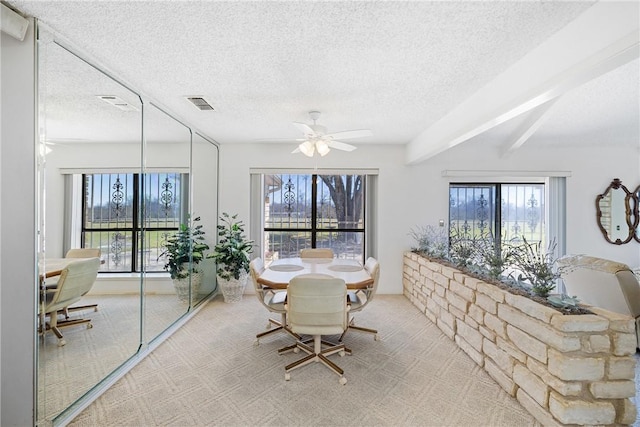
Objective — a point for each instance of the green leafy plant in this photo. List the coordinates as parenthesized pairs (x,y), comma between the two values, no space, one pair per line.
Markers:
(233,248)
(537,266)
(187,245)
(563,301)
(430,241)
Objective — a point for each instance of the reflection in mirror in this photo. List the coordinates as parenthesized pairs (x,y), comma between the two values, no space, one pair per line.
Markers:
(636,210)
(84,135)
(614,216)
(165,206)
(204,202)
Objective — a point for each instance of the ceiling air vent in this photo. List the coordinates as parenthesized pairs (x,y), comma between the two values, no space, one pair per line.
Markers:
(118,102)
(200,103)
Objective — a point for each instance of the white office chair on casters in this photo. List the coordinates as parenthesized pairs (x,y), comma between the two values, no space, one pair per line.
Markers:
(362,297)
(272,299)
(316,305)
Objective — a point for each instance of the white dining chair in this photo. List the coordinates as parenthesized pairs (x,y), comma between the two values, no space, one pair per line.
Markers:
(362,297)
(272,299)
(317,305)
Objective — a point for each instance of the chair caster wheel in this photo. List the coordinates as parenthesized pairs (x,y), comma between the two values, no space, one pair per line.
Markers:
(341,353)
(287,376)
(89,326)
(296,350)
(343,380)
(256,343)
(61,342)
(268,325)
(376,338)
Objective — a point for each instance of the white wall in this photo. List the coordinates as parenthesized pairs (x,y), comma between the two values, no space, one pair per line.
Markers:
(418,195)
(18,282)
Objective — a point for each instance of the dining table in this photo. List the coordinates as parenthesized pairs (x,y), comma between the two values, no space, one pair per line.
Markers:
(278,274)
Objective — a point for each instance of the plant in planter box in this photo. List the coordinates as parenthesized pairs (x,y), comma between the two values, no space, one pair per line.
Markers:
(232,257)
(183,252)
(537,266)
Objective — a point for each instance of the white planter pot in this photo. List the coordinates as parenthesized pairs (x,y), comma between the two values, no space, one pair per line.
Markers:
(182,286)
(233,289)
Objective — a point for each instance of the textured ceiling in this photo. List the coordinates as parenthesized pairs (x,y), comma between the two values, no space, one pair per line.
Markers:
(392,67)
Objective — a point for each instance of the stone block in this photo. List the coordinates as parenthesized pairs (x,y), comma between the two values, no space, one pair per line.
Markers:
(531,307)
(531,384)
(472,336)
(469,321)
(448,272)
(617,322)
(448,319)
(441,291)
(457,313)
(613,389)
(433,307)
(441,280)
(565,388)
(475,355)
(576,367)
(624,344)
(626,412)
(493,292)
(470,282)
(511,349)
(456,301)
(539,413)
(538,329)
(621,368)
(490,335)
(576,411)
(527,344)
(487,303)
(496,325)
(476,313)
(500,357)
(440,301)
(596,344)
(462,291)
(447,330)
(579,323)
(500,377)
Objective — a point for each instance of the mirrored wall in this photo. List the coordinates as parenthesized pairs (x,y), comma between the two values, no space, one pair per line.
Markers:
(121,175)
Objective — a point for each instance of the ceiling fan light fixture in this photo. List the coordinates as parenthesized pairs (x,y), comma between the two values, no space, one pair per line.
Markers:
(322,147)
(307,148)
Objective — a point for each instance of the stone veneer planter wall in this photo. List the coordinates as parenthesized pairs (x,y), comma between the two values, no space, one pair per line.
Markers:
(564,369)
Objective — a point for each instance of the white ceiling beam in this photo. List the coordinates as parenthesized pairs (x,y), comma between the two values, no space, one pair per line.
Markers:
(536,118)
(602,39)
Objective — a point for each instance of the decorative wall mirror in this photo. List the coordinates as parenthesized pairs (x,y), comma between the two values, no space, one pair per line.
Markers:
(615,215)
(636,209)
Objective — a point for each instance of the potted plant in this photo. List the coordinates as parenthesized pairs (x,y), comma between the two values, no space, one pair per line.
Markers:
(232,257)
(183,252)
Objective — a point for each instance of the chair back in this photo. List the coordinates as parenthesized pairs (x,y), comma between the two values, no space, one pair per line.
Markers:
(602,283)
(316,253)
(75,281)
(83,253)
(373,268)
(317,304)
(256,267)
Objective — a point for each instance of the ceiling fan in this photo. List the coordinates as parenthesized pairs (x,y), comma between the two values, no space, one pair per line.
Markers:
(317,139)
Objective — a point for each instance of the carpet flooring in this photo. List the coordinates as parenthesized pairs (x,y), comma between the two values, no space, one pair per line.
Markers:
(211,373)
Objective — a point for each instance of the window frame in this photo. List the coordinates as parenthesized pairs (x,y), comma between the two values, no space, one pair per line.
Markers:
(138,227)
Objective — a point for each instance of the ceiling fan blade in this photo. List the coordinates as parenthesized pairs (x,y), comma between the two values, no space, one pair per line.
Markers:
(340,145)
(280,139)
(348,134)
(305,129)
(297,150)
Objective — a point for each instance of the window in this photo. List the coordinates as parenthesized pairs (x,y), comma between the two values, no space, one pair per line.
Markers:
(116,208)
(314,211)
(502,213)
